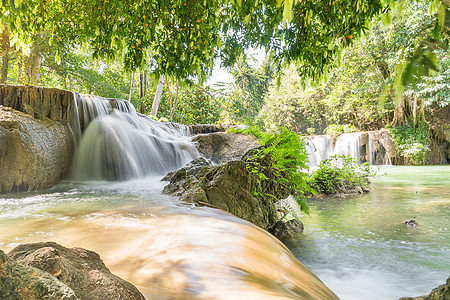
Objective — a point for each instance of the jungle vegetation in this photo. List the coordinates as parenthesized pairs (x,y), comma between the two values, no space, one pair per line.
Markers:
(331,66)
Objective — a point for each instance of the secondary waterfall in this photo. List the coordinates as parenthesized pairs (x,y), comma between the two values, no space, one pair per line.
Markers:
(118,143)
(319,147)
(375,147)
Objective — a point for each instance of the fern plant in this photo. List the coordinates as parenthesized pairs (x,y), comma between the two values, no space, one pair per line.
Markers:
(279,165)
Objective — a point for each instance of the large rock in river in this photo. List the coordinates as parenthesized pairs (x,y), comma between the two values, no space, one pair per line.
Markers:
(34,154)
(230,187)
(221,147)
(81,270)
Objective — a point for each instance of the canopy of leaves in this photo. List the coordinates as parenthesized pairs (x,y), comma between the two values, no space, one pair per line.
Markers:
(182,37)
(358,90)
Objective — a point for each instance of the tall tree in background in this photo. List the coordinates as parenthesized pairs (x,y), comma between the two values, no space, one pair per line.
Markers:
(4,54)
(243,97)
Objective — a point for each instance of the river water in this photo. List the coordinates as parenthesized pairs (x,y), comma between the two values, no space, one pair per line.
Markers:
(358,246)
(168,249)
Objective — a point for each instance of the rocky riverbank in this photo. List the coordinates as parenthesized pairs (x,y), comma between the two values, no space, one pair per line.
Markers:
(225,181)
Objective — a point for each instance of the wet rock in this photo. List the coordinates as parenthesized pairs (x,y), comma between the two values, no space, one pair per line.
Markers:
(442,292)
(194,195)
(197,166)
(380,150)
(411,223)
(231,188)
(179,175)
(81,270)
(34,154)
(223,147)
(167,176)
(25,282)
(286,229)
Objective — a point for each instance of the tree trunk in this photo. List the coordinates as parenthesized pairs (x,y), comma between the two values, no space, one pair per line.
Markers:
(157,99)
(34,67)
(143,85)
(174,106)
(399,114)
(131,87)
(382,67)
(408,109)
(4,72)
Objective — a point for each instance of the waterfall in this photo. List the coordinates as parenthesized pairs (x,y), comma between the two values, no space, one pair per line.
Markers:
(375,147)
(370,149)
(118,143)
(319,147)
(348,144)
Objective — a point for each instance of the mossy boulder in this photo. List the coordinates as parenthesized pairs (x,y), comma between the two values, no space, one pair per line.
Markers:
(221,147)
(81,270)
(25,282)
(284,230)
(230,187)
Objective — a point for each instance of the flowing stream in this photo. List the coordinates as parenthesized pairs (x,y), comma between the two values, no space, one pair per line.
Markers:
(358,246)
(362,249)
(168,249)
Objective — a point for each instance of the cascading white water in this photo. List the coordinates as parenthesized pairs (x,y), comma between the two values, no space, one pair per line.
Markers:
(118,143)
(348,144)
(370,148)
(376,144)
(319,147)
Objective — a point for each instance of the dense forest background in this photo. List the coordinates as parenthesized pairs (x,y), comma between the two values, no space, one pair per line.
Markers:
(358,93)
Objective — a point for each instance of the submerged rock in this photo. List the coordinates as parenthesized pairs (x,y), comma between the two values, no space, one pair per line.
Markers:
(79,269)
(411,223)
(442,292)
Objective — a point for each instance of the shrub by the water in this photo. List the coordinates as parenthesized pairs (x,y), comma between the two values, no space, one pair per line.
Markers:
(340,174)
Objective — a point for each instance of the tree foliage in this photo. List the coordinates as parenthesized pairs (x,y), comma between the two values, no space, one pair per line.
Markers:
(182,37)
(340,174)
(242,99)
(360,90)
